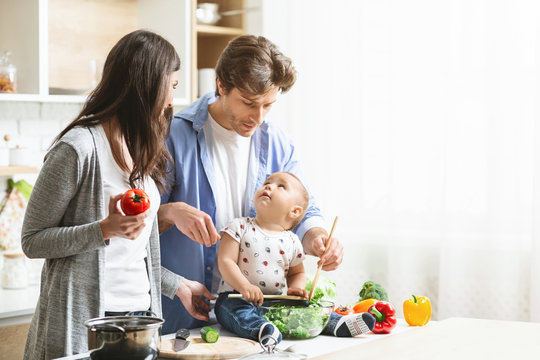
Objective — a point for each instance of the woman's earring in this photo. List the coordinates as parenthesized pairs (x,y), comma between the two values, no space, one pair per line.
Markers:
(170,105)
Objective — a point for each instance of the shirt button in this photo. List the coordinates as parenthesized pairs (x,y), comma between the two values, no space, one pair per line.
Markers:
(208,268)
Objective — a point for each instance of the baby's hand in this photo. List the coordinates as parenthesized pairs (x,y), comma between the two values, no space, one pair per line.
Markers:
(297,291)
(252,293)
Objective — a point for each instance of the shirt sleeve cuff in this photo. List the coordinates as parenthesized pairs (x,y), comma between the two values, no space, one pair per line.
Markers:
(308,224)
(170,282)
(97,234)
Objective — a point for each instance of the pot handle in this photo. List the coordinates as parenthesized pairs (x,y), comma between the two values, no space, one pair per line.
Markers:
(117,327)
(133,313)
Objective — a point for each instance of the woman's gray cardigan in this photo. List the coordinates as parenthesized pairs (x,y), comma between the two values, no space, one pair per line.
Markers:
(61,224)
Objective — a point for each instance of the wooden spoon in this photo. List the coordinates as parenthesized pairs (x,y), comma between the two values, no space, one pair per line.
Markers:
(281,297)
(316,278)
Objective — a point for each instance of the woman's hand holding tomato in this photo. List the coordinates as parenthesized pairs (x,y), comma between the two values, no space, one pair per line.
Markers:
(120,225)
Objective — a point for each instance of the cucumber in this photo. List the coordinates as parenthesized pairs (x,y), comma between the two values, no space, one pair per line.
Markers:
(209,335)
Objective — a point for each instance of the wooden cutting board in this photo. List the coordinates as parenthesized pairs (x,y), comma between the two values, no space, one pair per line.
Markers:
(224,348)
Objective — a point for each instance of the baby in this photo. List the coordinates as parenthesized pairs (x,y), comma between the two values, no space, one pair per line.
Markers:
(262,256)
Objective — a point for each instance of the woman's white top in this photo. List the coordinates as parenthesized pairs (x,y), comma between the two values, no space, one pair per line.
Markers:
(127,287)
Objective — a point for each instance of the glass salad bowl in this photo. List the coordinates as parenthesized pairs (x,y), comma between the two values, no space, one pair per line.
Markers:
(298,320)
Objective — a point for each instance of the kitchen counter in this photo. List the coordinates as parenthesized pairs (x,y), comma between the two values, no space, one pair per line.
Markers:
(18,305)
(454,338)
(317,346)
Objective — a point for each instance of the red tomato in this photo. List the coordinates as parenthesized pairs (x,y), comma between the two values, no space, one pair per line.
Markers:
(343,310)
(134,201)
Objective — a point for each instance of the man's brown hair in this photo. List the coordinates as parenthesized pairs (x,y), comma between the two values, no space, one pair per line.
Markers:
(254,64)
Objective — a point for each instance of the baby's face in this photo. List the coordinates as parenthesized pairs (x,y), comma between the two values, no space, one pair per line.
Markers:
(279,194)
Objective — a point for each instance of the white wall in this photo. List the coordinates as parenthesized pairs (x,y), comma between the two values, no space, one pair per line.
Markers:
(33,125)
(416,123)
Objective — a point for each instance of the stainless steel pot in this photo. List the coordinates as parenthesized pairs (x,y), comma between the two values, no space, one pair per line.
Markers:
(124,337)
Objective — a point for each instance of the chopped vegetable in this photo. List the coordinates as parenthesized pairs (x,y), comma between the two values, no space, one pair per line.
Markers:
(364,305)
(326,289)
(209,335)
(417,311)
(372,290)
(385,317)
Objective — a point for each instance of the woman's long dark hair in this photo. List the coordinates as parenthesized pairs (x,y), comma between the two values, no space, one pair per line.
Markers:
(134,88)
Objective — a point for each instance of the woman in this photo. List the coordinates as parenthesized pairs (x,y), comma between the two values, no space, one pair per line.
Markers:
(99,261)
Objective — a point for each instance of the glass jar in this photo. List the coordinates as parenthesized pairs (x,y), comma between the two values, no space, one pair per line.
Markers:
(14,275)
(8,74)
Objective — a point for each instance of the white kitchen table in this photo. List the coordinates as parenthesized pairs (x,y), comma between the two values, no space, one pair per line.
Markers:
(453,338)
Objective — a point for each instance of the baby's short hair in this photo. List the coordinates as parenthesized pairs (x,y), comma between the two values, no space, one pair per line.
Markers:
(304,199)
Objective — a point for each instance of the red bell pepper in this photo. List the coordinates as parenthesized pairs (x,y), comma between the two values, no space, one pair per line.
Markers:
(385,317)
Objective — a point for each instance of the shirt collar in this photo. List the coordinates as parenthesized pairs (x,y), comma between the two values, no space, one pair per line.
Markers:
(197,112)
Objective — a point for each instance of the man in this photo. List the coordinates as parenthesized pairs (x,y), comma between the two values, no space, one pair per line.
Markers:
(223,150)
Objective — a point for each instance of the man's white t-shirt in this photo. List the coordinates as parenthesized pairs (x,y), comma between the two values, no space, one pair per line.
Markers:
(127,287)
(230,158)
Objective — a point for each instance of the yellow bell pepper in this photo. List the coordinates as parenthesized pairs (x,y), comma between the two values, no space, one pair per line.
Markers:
(417,311)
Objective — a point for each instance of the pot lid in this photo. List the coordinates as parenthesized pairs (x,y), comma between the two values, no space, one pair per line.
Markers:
(271,352)
(276,354)
(128,323)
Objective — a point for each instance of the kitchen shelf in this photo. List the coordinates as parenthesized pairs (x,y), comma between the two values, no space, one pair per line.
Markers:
(43,98)
(12,170)
(218,30)
(20,97)
(208,41)
(74,99)
(59,46)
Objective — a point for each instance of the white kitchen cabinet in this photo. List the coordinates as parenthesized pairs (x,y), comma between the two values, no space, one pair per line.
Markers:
(59,46)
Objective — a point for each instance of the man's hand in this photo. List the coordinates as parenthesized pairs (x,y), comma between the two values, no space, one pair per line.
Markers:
(190,293)
(252,293)
(315,241)
(194,223)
